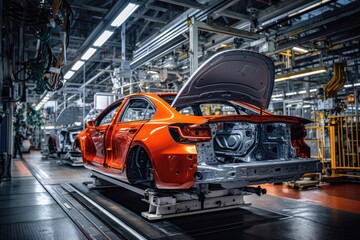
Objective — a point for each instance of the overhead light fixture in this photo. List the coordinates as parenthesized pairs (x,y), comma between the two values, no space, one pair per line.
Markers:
(277,95)
(42,101)
(310,7)
(300,74)
(124,14)
(88,54)
(352,85)
(300,50)
(77,65)
(103,38)
(69,74)
(290,93)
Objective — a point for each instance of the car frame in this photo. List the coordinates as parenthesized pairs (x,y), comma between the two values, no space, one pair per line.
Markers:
(141,138)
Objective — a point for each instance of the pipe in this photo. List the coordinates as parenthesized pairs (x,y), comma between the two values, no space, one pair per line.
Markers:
(88,82)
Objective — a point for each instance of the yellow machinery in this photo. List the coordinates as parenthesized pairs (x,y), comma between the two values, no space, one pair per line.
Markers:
(337,81)
(345,145)
(338,134)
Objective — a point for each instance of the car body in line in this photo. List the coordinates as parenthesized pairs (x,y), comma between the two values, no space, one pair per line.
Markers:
(214,131)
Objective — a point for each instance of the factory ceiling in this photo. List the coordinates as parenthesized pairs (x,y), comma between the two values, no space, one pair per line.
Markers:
(297,34)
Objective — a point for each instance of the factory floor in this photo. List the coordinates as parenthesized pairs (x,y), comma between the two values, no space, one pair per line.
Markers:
(29,211)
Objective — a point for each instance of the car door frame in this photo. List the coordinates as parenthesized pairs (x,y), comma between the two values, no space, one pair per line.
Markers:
(102,130)
(124,127)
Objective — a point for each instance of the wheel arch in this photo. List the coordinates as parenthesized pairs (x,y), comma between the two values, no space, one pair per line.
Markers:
(132,147)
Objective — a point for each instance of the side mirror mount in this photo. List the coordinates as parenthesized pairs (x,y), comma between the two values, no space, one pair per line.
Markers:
(90,124)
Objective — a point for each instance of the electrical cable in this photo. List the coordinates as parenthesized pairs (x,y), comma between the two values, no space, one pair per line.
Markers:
(43,18)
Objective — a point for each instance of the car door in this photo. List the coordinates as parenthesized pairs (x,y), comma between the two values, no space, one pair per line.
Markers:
(137,112)
(97,134)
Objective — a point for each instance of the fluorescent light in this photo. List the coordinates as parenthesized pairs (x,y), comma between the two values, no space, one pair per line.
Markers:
(290,93)
(124,14)
(69,74)
(299,74)
(184,67)
(43,101)
(302,92)
(309,7)
(88,54)
(277,95)
(300,50)
(103,38)
(352,85)
(306,106)
(77,65)
(313,90)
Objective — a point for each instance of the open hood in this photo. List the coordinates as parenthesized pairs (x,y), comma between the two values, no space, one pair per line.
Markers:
(231,75)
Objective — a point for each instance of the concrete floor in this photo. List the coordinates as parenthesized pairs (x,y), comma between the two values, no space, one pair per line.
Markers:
(27,211)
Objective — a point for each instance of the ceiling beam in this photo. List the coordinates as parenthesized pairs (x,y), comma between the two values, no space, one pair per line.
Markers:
(89,8)
(149,18)
(234,15)
(344,24)
(227,30)
(226,6)
(156,8)
(185,3)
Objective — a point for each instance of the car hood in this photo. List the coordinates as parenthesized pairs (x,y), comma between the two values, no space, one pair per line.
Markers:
(231,75)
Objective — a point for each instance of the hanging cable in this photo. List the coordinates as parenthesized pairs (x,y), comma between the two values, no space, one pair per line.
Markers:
(44,19)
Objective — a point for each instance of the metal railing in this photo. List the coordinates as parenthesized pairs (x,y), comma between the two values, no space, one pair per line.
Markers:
(345,143)
(315,140)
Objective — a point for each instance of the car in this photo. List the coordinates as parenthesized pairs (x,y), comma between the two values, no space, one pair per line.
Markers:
(214,131)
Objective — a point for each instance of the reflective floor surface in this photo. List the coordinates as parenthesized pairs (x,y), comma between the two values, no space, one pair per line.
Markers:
(27,211)
(34,205)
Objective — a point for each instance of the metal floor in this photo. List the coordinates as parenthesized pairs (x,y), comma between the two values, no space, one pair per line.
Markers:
(39,204)
(27,211)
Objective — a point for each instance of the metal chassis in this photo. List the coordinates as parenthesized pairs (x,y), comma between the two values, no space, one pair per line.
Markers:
(170,204)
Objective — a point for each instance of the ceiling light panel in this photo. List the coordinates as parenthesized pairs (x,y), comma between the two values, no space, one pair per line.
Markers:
(88,54)
(103,38)
(69,74)
(77,65)
(124,14)
(300,50)
(300,74)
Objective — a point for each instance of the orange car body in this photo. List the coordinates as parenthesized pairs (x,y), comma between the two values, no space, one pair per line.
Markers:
(175,163)
(142,137)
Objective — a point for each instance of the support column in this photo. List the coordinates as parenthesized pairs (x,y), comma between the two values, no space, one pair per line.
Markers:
(307,87)
(7,156)
(194,50)
(123,55)
(356,90)
(84,93)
